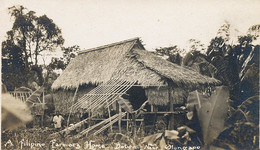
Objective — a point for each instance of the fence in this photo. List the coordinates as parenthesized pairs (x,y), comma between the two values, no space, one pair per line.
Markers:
(21,95)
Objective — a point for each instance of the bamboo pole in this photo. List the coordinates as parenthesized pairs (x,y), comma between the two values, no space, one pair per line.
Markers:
(120,119)
(82,99)
(68,121)
(143,126)
(94,91)
(113,89)
(134,125)
(94,126)
(106,126)
(99,100)
(109,115)
(112,98)
(67,130)
(127,123)
(94,97)
(123,91)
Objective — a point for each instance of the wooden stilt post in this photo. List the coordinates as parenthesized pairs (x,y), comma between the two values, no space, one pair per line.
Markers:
(120,119)
(43,106)
(68,121)
(90,116)
(143,126)
(109,115)
(171,120)
(134,125)
(127,122)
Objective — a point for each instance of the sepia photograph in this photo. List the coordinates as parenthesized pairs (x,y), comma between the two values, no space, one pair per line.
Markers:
(130,75)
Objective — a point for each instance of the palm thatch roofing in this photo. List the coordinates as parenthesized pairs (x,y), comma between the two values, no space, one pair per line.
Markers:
(127,60)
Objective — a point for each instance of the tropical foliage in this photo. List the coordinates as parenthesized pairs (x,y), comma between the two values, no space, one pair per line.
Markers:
(237,66)
(31,38)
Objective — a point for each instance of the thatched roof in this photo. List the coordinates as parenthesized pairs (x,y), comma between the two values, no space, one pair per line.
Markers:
(180,75)
(127,60)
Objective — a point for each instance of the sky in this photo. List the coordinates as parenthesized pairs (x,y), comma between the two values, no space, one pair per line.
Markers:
(92,23)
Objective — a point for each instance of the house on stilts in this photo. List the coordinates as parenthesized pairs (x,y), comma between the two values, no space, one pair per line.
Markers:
(98,77)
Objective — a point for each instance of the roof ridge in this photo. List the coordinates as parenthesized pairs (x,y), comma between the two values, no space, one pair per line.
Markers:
(107,45)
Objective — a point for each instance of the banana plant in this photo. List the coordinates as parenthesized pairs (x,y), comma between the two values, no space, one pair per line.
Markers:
(211,111)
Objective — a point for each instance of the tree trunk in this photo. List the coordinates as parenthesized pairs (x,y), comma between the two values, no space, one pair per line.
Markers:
(38,71)
(24,50)
(36,50)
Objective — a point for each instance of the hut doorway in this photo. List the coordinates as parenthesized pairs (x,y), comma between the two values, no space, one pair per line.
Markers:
(136,96)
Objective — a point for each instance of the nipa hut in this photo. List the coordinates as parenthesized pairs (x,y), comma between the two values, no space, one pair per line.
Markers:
(155,79)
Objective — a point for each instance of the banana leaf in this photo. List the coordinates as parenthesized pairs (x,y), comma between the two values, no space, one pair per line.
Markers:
(152,138)
(212,112)
(125,104)
(35,95)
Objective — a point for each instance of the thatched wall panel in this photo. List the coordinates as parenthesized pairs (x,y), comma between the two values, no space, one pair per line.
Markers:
(63,99)
(157,96)
(179,95)
(160,96)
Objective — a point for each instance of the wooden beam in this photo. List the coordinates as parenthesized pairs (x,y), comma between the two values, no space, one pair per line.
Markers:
(98,119)
(139,85)
(165,112)
(96,125)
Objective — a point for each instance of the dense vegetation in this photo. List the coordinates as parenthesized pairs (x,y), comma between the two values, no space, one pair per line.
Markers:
(237,67)
(31,38)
